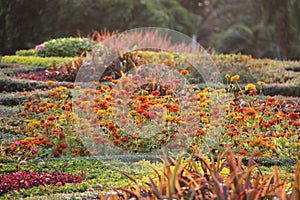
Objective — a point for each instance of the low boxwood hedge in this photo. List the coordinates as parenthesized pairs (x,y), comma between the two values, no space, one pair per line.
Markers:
(36,61)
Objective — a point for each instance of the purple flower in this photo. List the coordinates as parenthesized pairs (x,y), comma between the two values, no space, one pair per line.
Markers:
(34,150)
(39,47)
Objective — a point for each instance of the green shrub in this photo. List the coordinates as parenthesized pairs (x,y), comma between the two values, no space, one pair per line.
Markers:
(65,47)
(35,60)
(293,68)
(29,52)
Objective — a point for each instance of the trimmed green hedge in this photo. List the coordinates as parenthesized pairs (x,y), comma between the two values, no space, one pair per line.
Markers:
(293,68)
(29,52)
(268,90)
(36,61)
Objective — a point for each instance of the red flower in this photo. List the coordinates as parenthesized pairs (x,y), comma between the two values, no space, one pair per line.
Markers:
(58,184)
(293,116)
(124,139)
(155,93)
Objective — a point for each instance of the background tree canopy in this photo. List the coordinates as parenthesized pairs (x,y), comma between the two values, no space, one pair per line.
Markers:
(268,28)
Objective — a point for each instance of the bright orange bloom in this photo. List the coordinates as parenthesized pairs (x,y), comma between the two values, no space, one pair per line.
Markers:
(184,72)
(294,116)
(242,152)
(51,118)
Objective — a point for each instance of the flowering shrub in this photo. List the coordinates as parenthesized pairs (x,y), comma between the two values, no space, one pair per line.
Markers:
(25,180)
(65,47)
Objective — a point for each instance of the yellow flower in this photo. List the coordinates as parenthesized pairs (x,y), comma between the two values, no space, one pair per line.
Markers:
(207,89)
(208,101)
(63,96)
(204,119)
(150,96)
(250,87)
(50,83)
(201,95)
(101,111)
(107,97)
(261,83)
(227,76)
(201,105)
(133,113)
(168,118)
(61,89)
(234,78)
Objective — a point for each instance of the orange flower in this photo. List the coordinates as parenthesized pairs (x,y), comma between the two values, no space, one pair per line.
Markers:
(50,83)
(108,78)
(271,100)
(155,93)
(200,132)
(71,85)
(184,72)
(242,152)
(51,118)
(116,142)
(250,112)
(12,147)
(294,116)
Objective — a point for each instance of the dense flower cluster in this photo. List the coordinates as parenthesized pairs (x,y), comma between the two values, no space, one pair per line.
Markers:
(25,180)
(47,127)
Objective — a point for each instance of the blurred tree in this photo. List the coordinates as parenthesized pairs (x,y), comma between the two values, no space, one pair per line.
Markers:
(26,23)
(272,27)
(268,28)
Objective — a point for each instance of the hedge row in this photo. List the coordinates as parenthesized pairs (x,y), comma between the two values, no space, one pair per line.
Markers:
(293,68)
(36,61)
(17,98)
(269,90)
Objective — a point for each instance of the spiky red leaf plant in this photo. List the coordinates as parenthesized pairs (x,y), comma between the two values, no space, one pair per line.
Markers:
(198,177)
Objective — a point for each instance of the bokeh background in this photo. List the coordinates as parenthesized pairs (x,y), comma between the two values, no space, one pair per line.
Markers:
(268,28)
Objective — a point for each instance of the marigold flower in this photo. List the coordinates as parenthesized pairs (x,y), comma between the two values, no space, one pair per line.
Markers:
(169,118)
(61,89)
(271,100)
(116,142)
(261,83)
(51,118)
(184,72)
(201,95)
(293,116)
(234,78)
(204,120)
(250,87)
(242,152)
(50,83)
(200,132)
(71,85)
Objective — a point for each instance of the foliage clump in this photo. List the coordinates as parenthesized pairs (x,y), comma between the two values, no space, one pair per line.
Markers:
(65,47)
